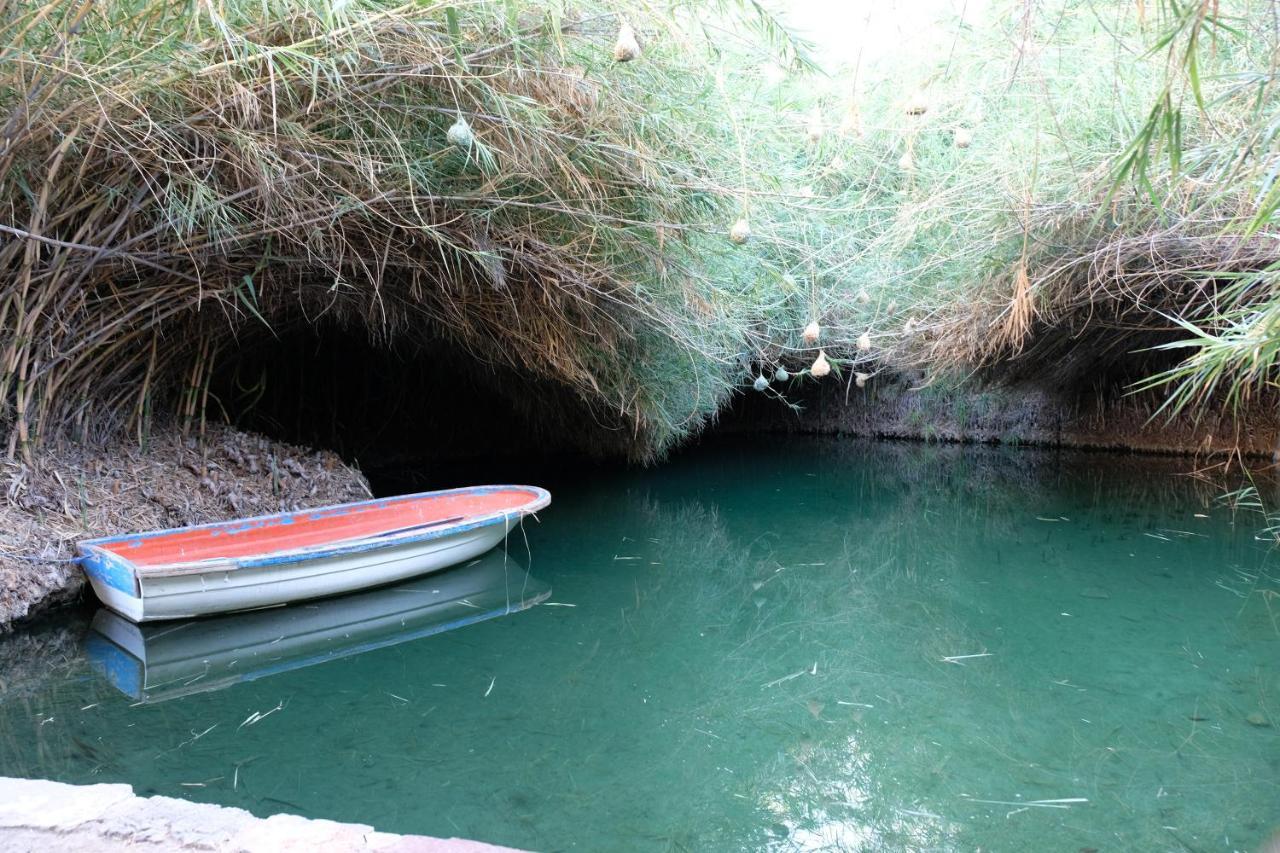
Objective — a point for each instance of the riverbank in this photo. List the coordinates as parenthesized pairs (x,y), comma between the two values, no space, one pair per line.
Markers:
(903,405)
(74,491)
(50,817)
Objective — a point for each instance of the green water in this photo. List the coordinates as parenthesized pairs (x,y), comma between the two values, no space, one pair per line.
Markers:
(818,645)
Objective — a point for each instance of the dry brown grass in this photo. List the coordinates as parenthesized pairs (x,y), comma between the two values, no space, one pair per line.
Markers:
(162,203)
(1086,302)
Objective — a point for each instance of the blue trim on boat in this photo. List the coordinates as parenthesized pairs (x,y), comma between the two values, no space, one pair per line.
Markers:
(106,568)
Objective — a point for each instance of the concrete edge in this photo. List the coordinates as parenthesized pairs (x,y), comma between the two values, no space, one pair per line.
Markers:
(42,816)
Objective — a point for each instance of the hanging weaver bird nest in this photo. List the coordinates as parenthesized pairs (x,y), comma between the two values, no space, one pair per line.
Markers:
(918,104)
(811,332)
(814,128)
(860,379)
(864,342)
(963,137)
(761,383)
(741,231)
(460,134)
(626,48)
(821,367)
(781,375)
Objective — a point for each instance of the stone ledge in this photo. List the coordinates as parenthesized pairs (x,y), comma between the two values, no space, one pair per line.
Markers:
(51,817)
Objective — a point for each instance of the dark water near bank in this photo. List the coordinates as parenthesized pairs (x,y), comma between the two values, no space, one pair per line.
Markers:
(815,646)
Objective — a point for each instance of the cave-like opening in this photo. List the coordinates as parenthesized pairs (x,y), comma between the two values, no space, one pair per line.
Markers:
(411,417)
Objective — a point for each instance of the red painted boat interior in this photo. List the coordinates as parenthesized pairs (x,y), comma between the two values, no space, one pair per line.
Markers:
(310,528)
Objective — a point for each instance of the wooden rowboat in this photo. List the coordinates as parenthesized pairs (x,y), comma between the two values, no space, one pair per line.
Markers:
(276,559)
(157,662)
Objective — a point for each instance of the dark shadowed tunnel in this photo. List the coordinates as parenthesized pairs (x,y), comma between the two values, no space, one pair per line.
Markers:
(423,416)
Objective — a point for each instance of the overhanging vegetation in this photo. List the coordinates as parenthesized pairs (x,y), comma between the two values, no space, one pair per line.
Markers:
(1062,194)
(175,181)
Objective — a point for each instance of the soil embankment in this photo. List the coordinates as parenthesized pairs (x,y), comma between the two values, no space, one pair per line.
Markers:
(75,491)
(900,405)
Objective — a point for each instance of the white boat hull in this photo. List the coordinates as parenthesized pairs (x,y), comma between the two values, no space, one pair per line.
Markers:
(225,587)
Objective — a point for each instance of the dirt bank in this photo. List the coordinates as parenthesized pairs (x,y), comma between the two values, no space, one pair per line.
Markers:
(73,491)
(903,405)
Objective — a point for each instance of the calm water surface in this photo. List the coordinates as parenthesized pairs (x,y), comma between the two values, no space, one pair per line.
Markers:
(810,646)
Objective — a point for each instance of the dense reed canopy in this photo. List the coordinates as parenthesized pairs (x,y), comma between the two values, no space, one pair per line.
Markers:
(644,210)
(1068,192)
(176,179)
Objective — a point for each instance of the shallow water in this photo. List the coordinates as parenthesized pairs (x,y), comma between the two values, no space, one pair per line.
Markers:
(817,646)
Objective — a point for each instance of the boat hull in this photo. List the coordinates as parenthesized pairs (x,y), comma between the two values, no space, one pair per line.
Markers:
(221,583)
(229,588)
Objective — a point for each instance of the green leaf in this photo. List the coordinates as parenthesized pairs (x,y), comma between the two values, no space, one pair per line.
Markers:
(455,33)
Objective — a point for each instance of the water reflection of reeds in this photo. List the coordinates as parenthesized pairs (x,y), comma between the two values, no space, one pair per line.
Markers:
(757,657)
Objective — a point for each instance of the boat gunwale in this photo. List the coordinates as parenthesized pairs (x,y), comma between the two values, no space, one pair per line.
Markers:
(539,498)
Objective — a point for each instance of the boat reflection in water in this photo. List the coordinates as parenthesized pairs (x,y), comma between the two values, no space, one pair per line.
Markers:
(153,662)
